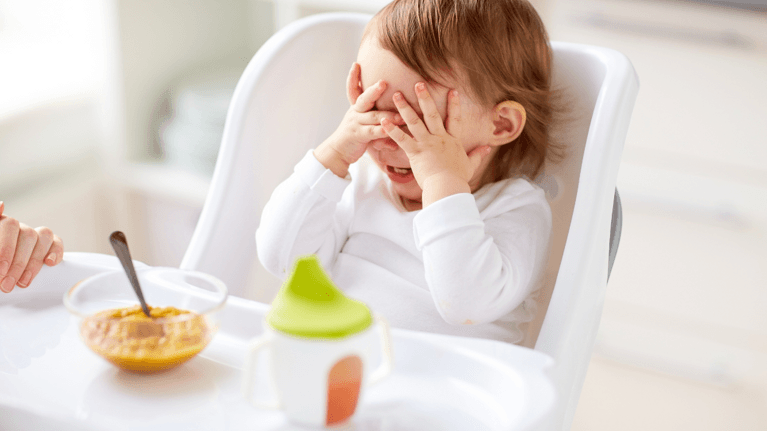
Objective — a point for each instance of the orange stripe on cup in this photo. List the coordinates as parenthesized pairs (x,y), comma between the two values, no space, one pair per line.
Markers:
(344,383)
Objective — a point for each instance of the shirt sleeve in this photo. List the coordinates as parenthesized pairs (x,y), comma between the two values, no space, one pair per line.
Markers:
(301,218)
(479,269)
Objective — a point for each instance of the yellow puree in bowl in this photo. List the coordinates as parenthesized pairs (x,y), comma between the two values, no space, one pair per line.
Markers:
(134,342)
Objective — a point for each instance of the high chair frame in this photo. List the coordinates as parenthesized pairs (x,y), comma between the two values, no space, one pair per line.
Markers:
(292,95)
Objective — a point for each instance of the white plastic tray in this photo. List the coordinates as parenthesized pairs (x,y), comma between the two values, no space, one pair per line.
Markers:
(50,380)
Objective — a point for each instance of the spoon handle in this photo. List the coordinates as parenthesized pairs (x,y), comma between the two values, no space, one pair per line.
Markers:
(120,245)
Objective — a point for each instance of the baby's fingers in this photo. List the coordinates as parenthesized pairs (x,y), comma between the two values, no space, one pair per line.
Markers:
(430,114)
(372,133)
(367,100)
(375,117)
(453,121)
(414,123)
(398,135)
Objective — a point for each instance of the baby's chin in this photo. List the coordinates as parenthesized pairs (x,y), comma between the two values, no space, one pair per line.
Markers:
(410,191)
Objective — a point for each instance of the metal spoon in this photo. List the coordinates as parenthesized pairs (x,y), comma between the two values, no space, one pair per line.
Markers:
(120,245)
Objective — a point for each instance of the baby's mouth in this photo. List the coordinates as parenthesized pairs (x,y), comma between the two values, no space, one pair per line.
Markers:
(400,175)
(401,171)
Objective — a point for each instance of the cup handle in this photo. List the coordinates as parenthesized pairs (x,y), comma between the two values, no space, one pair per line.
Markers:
(387,359)
(249,372)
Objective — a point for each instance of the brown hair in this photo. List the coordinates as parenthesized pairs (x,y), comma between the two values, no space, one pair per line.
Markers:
(499,49)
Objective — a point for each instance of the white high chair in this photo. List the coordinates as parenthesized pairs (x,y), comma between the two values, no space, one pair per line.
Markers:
(292,95)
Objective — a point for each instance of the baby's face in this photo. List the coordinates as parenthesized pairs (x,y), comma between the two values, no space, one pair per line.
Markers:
(377,64)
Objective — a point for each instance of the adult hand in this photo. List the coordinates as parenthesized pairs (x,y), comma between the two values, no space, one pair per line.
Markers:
(23,251)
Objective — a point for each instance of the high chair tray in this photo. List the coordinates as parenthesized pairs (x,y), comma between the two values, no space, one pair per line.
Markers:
(50,380)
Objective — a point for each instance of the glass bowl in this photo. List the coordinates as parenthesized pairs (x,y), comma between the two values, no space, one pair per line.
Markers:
(183,304)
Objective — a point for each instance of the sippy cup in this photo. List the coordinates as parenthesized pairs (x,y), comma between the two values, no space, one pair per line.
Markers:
(321,345)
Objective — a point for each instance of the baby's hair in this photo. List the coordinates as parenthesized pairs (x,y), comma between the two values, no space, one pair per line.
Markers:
(498,49)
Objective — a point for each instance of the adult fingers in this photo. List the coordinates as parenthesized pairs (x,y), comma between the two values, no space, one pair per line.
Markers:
(368,98)
(25,243)
(9,235)
(413,122)
(353,87)
(453,121)
(56,252)
(44,241)
(398,135)
(430,113)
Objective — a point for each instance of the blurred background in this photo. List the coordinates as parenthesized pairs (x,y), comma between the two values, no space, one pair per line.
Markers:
(111,113)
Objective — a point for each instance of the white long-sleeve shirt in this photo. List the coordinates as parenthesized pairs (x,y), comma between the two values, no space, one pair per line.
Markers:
(466,265)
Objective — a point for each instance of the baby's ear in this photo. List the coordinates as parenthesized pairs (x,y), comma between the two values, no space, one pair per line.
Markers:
(508,120)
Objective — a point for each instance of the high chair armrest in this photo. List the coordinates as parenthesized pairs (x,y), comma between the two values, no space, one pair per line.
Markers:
(615,231)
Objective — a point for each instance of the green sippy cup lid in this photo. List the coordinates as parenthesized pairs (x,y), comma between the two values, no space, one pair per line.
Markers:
(310,305)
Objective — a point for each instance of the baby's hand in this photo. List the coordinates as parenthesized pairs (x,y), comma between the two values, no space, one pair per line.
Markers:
(359,126)
(23,251)
(438,159)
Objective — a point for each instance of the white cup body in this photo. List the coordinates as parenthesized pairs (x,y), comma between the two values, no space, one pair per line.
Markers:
(319,382)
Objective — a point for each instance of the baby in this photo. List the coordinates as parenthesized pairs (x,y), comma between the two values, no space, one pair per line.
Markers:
(421,203)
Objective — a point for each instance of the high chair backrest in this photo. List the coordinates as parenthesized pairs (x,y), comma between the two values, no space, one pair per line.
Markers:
(292,96)
(601,86)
